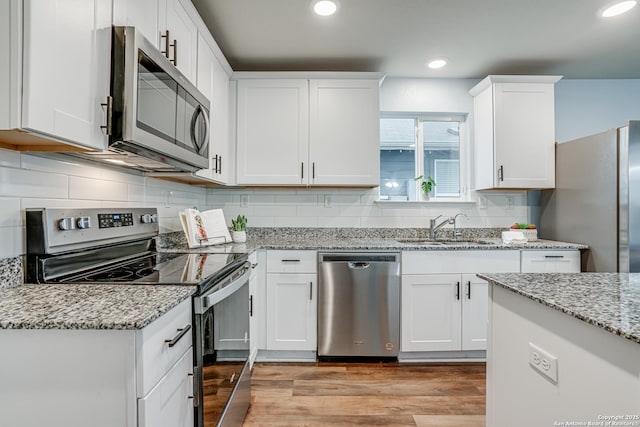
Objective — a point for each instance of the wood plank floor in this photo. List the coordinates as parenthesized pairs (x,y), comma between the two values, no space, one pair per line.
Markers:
(332,394)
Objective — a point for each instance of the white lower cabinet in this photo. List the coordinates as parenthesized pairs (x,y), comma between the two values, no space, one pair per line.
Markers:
(443,303)
(292,310)
(102,378)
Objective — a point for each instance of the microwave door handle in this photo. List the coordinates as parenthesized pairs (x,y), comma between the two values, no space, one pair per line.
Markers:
(199,145)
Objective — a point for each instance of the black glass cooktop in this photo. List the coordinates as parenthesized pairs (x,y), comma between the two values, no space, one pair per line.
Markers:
(159,269)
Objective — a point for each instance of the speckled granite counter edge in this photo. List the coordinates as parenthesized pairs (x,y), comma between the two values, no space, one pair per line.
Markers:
(88,307)
(10,272)
(571,312)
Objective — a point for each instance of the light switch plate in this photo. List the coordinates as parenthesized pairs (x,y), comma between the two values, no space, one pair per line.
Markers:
(244,200)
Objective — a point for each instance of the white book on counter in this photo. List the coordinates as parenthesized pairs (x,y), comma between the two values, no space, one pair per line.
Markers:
(204,228)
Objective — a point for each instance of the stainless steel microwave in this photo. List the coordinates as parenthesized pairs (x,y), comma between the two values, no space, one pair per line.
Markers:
(156,119)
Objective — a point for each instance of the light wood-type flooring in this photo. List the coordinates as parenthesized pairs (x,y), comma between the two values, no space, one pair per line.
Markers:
(339,394)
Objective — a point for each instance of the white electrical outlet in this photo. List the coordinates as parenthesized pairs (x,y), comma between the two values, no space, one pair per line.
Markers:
(543,362)
(509,202)
(328,202)
(244,200)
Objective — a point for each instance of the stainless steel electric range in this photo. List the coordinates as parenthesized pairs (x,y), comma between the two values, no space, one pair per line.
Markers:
(117,246)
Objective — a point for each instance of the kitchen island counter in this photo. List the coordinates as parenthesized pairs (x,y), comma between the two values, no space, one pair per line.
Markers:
(607,300)
(567,343)
(87,306)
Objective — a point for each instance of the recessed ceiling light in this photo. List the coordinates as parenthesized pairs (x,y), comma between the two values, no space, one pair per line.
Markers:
(618,8)
(325,7)
(436,63)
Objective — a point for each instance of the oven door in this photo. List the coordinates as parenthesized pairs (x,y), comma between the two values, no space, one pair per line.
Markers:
(221,319)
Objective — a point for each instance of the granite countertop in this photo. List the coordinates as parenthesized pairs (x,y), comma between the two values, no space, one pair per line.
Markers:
(366,243)
(606,300)
(87,306)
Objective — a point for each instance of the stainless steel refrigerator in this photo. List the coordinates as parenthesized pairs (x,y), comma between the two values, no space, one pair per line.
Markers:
(597,199)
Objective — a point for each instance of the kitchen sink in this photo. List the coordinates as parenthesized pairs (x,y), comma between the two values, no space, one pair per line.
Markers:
(466,242)
(420,242)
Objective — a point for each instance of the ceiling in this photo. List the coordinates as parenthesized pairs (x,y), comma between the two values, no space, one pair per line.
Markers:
(397,37)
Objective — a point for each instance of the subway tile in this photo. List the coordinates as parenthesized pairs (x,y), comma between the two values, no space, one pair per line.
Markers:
(302,199)
(10,213)
(261,221)
(275,210)
(288,221)
(384,222)
(318,211)
(361,211)
(9,158)
(95,189)
(24,183)
(255,199)
(339,221)
(12,239)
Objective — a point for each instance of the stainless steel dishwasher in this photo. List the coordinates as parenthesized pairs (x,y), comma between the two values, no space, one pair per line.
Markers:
(358,304)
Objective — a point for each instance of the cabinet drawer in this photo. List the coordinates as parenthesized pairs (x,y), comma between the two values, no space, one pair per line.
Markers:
(292,261)
(154,355)
(170,402)
(427,262)
(567,261)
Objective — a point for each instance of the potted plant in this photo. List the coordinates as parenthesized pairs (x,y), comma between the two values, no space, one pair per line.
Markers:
(528,230)
(426,185)
(239,229)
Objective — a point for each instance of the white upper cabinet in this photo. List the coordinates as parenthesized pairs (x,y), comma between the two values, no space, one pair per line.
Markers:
(142,14)
(213,82)
(514,132)
(65,74)
(301,131)
(169,24)
(344,132)
(179,36)
(273,132)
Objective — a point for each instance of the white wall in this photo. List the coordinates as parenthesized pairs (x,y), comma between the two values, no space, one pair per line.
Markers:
(28,181)
(585,107)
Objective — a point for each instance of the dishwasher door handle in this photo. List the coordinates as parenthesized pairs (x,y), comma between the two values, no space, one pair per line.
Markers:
(359,265)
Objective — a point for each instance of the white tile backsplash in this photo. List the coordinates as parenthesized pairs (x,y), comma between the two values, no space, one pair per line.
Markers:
(34,181)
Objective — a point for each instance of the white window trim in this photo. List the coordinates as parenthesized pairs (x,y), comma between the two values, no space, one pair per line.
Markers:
(465,147)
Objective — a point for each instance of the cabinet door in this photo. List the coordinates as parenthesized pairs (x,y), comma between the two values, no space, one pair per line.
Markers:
(524,135)
(273,132)
(170,402)
(213,82)
(182,43)
(142,14)
(431,312)
(344,132)
(66,67)
(291,311)
(475,300)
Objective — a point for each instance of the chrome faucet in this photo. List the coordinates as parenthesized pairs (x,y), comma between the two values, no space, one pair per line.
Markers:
(453,219)
(435,227)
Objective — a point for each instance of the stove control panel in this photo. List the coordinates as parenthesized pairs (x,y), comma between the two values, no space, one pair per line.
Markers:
(111,220)
(55,230)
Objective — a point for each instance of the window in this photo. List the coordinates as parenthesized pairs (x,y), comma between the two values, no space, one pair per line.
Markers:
(414,145)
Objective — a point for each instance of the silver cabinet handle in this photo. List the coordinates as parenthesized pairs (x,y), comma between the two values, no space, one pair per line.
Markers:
(181,332)
(501,173)
(554,256)
(469,289)
(457,290)
(290,260)
(251,306)
(108,127)
(220,165)
(302,170)
(310,291)
(313,170)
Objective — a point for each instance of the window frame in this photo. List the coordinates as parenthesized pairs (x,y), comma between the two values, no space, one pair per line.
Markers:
(464,149)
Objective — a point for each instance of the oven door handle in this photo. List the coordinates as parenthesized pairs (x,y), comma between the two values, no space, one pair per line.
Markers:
(207,300)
